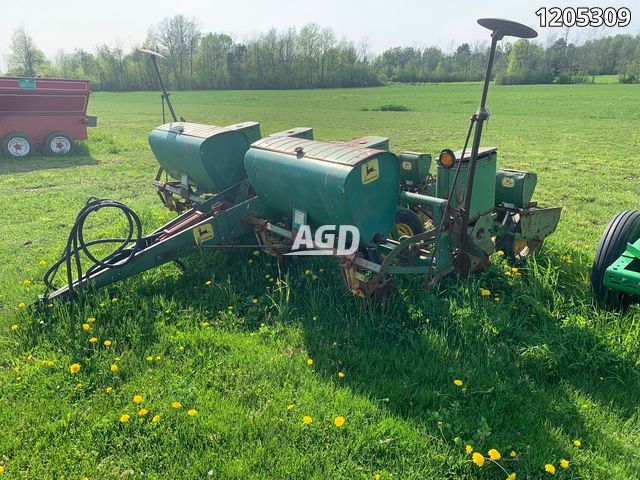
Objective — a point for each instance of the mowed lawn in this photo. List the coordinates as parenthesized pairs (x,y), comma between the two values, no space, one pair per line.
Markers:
(251,348)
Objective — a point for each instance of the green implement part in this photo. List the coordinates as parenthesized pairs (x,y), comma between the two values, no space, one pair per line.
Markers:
(515,187)
(624,273)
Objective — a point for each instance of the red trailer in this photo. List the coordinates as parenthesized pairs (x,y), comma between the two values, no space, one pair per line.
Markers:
(42,114)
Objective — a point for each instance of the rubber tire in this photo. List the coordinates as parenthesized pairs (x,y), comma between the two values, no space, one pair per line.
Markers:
(622,229)
(49,139)
(409,218)
(7,139)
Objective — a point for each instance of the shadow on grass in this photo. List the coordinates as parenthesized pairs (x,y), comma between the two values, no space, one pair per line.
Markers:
(79,157)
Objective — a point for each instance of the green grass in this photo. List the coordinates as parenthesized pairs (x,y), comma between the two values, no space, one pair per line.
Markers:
(541,367)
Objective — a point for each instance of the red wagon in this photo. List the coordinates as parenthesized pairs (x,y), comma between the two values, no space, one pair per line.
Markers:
(42,114)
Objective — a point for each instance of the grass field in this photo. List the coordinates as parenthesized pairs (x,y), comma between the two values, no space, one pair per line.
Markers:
(540,368)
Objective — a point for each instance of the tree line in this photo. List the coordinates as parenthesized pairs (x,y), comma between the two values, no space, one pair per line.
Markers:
(313,57)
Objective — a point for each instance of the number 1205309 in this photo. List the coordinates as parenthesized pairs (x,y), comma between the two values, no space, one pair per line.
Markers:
(584,17)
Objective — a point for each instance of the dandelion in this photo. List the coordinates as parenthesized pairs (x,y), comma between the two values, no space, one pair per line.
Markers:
(484,292)
(91,319)
(478,459)
(21,305)
(142,412)
(204,324)
(341,374)
(564,463)
(254,301)
(513,454)
(377,476)
(74,368)
(457,383)
(192,412)
(93,340)
(307,419)
(1,468)
(155,419)
(514,270)
(149,358)
(338,421)
(49,363)
(114,299)
(114,368)
(158,357)
(18,379)
(577,443)
(86,326)
(124,418)
(181,348)
(469,448)
(176,404)
(512,476)
(42,263)
(550,469)
(500,253)
(309,361)
(137,399)
(14,327)
(117,359)
(26,282)
(494,454)
(108,389)
(107,343)
(290,407)
(78,386)
(29,357)
(507,273)
(208,282)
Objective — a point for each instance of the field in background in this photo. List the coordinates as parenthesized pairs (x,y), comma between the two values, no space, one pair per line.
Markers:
(541,365)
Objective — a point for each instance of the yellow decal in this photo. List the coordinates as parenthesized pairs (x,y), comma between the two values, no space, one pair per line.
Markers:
(508,182)
(202,233)
(370,171)
(407,165)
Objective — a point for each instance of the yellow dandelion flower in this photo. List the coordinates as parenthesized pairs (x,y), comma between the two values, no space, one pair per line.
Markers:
(117,359)
(307,419)
(26,282)
(254,301)
(114,299)
(78,385)
(338,421)
(458,383)
(478,459)
(158,357)
(42,263)
(377,476)
(149,358)
(137,399)
(468,448)
(91,319)
(181,348)
(93,340)
(29,357)
(155,419)
(108,389)
(86,326)
(484,292)
(494,454)
(500,253)
(511,476)
(49,363)
(107,343)
(550,469)
(14,327)
(21,305)
(577,443)
(290,407)
(341,374)
(176,404)
(142,412)
(514,270)
(564,463)
(74,368)
(508,273)
(513,454)
(18,379)
(208,282)
(1,468)
(192,412)
(309,361)
(204,324)
(114,368)
(124,418)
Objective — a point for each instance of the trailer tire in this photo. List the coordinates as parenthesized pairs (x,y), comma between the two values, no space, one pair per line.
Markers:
(58,143)
(622,229)
(17,145)
(407,223)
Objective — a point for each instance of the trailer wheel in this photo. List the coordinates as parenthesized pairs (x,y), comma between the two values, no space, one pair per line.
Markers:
(408,223)
(58,143)
(17,145)
(622,229)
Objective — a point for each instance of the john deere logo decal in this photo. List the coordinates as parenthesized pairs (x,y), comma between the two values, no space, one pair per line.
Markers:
(202,233)
(370,171)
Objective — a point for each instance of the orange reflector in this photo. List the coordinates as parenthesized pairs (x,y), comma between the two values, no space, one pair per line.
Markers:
(446,158)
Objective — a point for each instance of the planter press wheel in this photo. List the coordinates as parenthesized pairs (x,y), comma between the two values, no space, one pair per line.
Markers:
(17,145)
(622,229)
(407,223)
(58,143)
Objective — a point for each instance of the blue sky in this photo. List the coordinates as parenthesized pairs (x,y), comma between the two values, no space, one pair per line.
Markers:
(69,24)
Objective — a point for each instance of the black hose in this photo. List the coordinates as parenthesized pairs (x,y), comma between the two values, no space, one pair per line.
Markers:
(76,244)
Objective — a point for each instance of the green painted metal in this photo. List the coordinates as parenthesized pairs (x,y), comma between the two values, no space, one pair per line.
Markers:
(27,83)
(414,167)
(624,273)
(434,205)
(298,132)
(484,183)
(212,158)
(333,183)
(515,187)
(538,223)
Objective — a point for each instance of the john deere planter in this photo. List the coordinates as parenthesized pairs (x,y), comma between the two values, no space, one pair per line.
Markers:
(234,188)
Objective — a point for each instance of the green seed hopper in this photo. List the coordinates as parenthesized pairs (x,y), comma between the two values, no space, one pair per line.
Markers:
(229,184)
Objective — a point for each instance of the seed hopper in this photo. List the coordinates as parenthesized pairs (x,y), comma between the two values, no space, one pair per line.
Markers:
(234,188)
